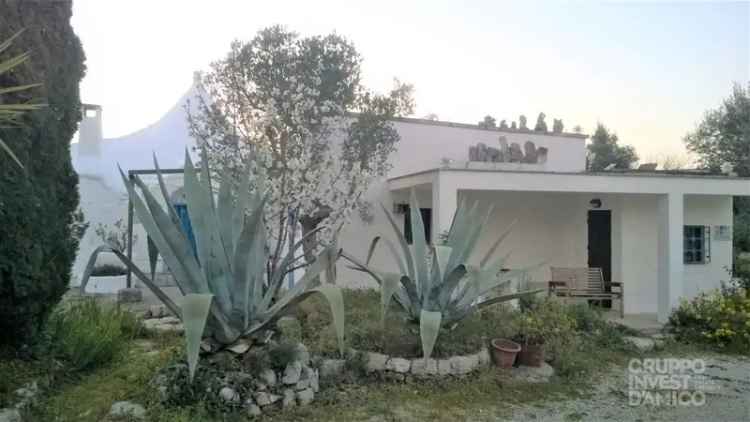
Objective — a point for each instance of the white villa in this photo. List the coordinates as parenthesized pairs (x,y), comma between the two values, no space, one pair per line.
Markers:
(664,235)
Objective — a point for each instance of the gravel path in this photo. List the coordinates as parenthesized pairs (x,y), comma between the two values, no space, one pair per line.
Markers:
(725,380)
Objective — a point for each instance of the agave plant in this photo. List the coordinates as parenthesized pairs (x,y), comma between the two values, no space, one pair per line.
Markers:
(435,285)
(9,113)
(230,269)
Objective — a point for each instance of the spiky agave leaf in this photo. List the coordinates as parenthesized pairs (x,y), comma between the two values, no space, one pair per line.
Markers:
(195,309)
(429,328)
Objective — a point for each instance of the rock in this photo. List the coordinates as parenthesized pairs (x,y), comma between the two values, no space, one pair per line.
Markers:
(462,365)
(516,155)
(394,376)
(222,359)
(424,367)
(305,396)
(263,398)
(484,358)
(530,154)
(375,362)
(643,344)
(532,374)
(27,394)
(268,377)
(444,367)
(399,365)
(209,345)
(239,377)
(126,409)
(156,311)
(292,373)
(302,354)
(253,410)
(229,395)
(260,386)
(239,347)
(288,400)
(129,295)
(10,415)
(305,379)
(331,367)
(166,324)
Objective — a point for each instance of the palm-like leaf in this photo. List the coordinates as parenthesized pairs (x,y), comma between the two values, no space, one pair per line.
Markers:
(449,289)
(9,113)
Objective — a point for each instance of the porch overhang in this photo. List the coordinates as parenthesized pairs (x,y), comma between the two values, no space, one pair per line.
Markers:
(669,190)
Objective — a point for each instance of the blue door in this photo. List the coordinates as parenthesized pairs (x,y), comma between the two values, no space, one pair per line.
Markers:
(182,213)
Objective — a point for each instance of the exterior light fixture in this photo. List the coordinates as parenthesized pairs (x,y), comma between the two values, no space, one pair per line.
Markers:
(595,203)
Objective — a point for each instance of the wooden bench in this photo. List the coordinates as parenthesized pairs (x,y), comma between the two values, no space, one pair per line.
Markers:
(585,283)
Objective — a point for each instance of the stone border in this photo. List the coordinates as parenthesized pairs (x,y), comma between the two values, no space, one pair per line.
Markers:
(397,368)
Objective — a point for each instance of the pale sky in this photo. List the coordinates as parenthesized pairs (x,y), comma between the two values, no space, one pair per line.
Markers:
(647,70)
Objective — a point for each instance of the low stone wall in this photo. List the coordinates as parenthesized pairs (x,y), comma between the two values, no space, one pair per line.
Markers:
(399,369)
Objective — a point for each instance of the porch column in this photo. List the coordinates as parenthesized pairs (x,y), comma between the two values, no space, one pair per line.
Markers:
(444,204)
(670,253)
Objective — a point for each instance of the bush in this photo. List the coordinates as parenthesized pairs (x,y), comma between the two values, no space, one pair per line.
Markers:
(108,270)
(37,225)
(720,318)
(87,335)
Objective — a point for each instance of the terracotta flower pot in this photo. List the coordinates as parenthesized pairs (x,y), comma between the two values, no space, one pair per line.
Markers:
(531,355)
(504,352)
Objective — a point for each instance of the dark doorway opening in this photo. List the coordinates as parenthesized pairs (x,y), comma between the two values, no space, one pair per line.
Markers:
(600,245)
(426,214)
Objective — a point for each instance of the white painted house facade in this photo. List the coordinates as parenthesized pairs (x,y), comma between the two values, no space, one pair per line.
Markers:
(665,236)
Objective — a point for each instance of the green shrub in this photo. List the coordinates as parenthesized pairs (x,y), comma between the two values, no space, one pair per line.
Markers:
(37,207)
(720,318)
(108,270)
(86,335)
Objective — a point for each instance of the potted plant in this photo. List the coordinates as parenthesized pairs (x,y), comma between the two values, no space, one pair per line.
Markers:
(504,352)
(531,335)
(108,276)
(107,279)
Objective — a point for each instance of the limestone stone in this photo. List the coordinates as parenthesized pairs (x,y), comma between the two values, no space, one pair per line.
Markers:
(462,365)
(331,367)
(303,355)
(484,358)
(156,311)
(129,295)
(268,377)
(239,347)
(263,398)
(292,373)
(643,344)
(529,154)
(516,155)
(424,367)
(305,396)
(228,395)
(315,381)
(399,365)
(126,409)
(376,362)
(253,410)
(394,376)
(288,399)
(444,367)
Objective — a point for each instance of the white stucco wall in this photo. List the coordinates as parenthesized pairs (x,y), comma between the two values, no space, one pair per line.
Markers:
(423,146)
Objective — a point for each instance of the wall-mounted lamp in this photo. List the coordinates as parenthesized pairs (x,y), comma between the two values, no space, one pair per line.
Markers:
(595,203)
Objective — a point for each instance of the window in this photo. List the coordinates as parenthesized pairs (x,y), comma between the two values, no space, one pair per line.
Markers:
(426,221)
(697,244)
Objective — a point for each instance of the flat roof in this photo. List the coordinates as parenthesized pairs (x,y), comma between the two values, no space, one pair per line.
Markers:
(602,182)
(477,127)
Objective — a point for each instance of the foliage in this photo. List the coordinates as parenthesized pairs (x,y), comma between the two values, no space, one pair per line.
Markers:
(720,318)
(231,262)
(107,270)
(115,236)
(299,106)
(487,123)
(37,209)
(399,336)
(557,126)
(10,113)
(541,125)
(577,129)
(603,151)
(86,335)
(741,235)
(448,289)
(724,134)
(545,321)
(503,124)
(741,272)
